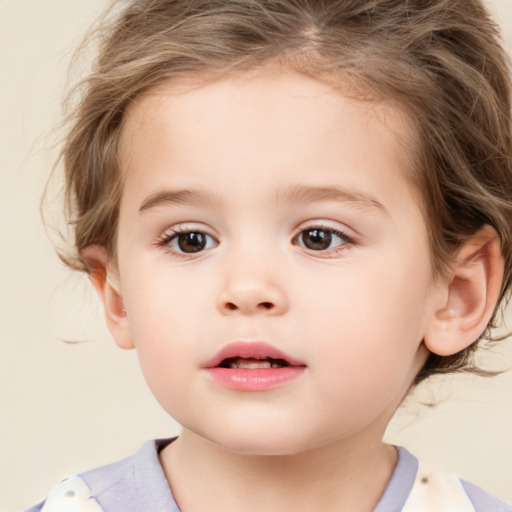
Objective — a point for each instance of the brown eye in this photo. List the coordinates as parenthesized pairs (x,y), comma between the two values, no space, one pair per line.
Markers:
(191,242)
(320,239)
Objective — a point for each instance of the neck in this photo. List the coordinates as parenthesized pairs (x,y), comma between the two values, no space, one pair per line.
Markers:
(339,476)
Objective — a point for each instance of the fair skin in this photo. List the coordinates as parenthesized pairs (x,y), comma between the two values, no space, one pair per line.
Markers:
(303,233)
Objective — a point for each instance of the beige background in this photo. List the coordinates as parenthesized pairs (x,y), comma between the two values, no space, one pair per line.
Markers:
(67,407)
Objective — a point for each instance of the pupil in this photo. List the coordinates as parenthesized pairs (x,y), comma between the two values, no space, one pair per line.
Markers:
(192,242)
(317,239)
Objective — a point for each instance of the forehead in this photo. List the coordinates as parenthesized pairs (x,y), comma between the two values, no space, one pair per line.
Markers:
(285,122)
(255,99)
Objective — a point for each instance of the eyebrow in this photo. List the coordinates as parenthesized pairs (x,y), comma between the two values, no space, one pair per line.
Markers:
(297,194)
(301,194)
(182,196)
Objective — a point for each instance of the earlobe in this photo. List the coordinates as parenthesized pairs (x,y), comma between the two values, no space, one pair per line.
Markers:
(471,292)
(107,286)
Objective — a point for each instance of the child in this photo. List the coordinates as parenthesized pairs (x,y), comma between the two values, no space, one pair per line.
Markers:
(295,211)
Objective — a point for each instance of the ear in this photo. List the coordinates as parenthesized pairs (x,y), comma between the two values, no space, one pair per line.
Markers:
(108,288)
(470,293)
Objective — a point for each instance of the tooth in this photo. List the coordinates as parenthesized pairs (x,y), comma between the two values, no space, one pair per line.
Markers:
(251,364)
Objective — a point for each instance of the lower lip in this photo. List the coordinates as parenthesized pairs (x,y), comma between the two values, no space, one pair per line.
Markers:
(256,379)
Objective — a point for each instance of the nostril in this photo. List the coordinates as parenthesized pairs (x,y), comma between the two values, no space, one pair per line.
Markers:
(266,305)
(231,306)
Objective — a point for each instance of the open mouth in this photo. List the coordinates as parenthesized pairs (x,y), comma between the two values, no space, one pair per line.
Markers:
(251,355)
(253,366)
(253,363)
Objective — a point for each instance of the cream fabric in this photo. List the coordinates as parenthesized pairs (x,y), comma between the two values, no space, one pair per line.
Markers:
(437,492)
(71,495)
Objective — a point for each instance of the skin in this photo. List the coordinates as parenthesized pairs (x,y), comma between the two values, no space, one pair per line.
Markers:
(358,314)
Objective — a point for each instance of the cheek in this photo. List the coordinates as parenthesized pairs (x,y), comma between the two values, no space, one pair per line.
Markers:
(160,299)
(367,335)
(162,314)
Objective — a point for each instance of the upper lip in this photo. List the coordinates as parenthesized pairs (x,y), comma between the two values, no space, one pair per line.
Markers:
(250,350)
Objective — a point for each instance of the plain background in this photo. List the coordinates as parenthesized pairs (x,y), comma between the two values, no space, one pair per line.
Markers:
(66,407)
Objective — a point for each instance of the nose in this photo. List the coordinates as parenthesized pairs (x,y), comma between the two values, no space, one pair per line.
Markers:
(252,289)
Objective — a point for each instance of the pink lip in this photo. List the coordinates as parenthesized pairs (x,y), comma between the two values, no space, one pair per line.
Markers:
(248,350)
(252,379)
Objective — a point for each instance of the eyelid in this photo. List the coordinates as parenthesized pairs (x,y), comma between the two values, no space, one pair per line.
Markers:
(187,227)
(336,227)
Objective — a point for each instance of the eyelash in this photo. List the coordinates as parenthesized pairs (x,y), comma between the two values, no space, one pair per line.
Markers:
(167,239)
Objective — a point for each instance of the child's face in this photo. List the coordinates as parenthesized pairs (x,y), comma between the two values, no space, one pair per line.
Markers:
(304,234)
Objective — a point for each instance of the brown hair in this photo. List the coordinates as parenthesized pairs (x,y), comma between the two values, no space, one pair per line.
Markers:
(440,60)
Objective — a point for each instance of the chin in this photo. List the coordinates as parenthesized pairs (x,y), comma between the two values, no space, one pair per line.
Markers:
(257,432)
(260,442)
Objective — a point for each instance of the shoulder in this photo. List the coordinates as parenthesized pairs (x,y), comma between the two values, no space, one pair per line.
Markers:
(482,500)
(125,485)
(436,490)
(71,495)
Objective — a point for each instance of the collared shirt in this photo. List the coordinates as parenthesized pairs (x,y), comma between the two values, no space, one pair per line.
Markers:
(138,484)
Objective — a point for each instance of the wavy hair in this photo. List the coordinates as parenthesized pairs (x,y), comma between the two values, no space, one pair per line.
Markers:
(441,61)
